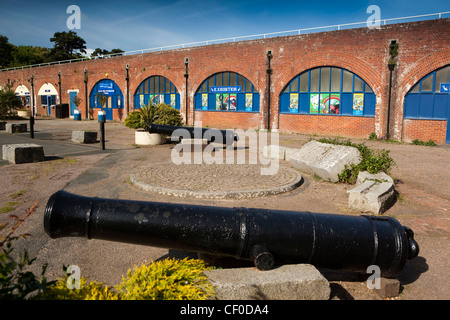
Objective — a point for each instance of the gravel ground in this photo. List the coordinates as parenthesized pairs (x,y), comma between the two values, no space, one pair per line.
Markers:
(422,176)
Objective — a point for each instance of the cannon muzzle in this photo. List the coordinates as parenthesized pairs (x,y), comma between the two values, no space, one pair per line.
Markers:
(266,237)
(211,135)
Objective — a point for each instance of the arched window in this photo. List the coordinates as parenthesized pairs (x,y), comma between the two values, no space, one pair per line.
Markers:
(112,93)
(157,89)
(328,90)
(430,97)
(227,91)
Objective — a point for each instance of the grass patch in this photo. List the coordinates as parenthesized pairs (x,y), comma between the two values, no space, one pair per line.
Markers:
(6,209)
(424,143)
(17,194)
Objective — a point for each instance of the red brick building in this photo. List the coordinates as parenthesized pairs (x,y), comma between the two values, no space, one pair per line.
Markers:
(333,83)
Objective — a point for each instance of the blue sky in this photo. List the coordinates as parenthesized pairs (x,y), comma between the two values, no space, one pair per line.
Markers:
(133,25)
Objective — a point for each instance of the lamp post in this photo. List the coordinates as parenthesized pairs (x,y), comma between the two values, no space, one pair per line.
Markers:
(59,84)
(269,73)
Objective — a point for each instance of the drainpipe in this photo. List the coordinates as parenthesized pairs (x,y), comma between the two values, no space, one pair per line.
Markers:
(186,75)
(86,93)
(59,85)
(391,66)
(128,89)
(269,73)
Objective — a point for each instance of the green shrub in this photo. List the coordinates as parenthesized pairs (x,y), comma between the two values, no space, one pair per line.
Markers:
(373,161)
(423,143)
(158,114)
(169,279)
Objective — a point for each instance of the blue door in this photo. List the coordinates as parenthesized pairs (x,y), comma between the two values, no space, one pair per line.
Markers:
(73,107)
(114,97)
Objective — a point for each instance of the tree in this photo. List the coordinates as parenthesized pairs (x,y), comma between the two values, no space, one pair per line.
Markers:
(9,102)
(68,45)
(28,55)
(5,52)
(101,52)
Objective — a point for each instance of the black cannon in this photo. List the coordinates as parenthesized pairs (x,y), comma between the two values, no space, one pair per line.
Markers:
(267,237)
(211,135)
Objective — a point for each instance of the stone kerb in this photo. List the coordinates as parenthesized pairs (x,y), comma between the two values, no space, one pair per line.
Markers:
(23,153)
(325,160)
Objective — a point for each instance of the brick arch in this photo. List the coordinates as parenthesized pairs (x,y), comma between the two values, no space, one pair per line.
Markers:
(177,81)
(423,67)
(235,66)
(334,59)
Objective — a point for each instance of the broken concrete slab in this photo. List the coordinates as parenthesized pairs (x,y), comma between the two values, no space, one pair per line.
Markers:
(378,177)
(278,152)
(323,159)
(22,153)
(371,196)
(287,282)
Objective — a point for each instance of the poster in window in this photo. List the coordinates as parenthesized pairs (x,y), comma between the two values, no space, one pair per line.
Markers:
(225,101)
(324,103)
(219,101)
(173,100)
(293,103)
(335,102)
(314,103)
(204,101)
(141,100)
(249,102)
(358,104)
(231,101)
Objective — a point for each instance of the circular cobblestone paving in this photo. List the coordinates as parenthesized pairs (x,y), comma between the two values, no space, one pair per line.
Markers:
(218,181)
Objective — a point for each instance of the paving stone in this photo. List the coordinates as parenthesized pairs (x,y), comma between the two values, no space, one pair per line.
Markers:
(287,282)
(371,196)
(278,152)
(325,160)
(22,153)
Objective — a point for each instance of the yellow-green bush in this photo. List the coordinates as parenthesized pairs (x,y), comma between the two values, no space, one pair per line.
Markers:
(169,279)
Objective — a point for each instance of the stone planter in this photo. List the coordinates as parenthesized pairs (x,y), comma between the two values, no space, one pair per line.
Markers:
(24,113)
(144,138)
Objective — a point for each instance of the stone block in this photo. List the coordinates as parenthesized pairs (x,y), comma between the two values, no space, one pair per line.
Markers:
(378,177)
(84,136)
(371,196)
(22,153)
(16,127)
(278,152)
(323,159)
(389,288)
(287,282)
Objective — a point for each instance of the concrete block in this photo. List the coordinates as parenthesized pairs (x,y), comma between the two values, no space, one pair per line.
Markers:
(84,136)
(371,196)
(278,152)
(287,282)
(2,125)
(192,145)
(378,177)
(389,288)
(23,153)
(16,127)
(325,160)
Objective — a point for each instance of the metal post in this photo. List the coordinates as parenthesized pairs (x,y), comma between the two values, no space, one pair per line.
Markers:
(391,68)
(128,89)
(32,109)
(86,93)
(269,73)
(59,84)
(102,133)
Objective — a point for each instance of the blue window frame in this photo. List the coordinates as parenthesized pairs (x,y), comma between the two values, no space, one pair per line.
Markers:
(227,91)
(157,89)
(328,90)
(111,90)
(428,98)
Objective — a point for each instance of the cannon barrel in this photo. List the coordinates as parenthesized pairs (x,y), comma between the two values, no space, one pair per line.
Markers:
(263,236)
(210,134)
